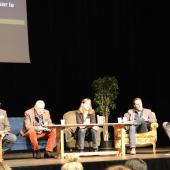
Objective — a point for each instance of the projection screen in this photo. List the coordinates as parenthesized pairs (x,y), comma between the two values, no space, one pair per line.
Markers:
(14,46)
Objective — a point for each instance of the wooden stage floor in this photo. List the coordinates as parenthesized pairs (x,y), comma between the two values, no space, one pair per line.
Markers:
(15,160)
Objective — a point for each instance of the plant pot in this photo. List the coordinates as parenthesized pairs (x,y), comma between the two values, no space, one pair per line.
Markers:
(106,145)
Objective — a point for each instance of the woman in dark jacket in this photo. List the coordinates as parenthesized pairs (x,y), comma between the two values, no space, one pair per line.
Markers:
(86,115)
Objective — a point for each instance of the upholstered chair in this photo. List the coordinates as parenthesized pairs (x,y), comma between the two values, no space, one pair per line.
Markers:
(142,139)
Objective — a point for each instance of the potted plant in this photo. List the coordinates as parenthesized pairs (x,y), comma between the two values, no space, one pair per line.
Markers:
(105,91)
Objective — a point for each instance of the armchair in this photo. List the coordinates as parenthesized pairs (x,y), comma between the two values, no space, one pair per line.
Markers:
(142,139)
(70,118)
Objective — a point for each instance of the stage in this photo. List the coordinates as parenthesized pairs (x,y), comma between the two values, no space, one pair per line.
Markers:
(24,160)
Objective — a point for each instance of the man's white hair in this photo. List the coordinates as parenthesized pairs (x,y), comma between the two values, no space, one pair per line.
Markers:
(40,104)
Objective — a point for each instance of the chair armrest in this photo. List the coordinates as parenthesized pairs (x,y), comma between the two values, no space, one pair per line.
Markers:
(69,132)
(100,129)
(154,126)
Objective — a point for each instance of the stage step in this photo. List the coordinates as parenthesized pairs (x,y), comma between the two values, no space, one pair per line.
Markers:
(93,153)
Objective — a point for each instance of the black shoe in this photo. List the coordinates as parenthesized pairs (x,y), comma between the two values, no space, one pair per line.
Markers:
(95,150)
(48,154)
(37,154)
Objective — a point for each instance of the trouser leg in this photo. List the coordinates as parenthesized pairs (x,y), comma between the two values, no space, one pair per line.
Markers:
(51,140)
(81,138)
(140,126)
(132,138)
(8,141)
(32,136)
(143,127)
(94,138)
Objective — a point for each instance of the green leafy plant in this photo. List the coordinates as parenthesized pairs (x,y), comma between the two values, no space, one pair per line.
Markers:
(105,91)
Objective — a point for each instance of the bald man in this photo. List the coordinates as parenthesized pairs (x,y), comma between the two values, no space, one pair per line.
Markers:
(34,121)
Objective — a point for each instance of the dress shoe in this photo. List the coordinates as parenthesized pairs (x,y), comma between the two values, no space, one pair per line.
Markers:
(95,150)
(37,154)
(48,154)
(133,151)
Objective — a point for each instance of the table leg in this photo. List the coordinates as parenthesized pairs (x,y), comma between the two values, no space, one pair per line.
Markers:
(60,143)
(123,148)
(1,148)
(58,140)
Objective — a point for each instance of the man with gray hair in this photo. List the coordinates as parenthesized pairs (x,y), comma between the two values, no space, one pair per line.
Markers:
(35,121)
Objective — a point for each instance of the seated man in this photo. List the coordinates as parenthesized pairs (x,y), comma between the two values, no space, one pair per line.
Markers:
(35,121)
(86,115)
(141,119)
(8,138)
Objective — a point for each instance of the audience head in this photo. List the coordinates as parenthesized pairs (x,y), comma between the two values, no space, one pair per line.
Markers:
(117,167)
(86,106)
(72,163)
(4,166)
(136,164)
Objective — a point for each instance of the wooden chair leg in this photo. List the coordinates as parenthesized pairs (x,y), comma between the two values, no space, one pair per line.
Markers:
(154,148)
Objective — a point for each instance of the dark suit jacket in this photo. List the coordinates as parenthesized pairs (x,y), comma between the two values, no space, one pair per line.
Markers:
(80,118)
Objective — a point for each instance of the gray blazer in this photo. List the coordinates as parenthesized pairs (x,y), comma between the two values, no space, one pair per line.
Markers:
(4,122)
(147,114)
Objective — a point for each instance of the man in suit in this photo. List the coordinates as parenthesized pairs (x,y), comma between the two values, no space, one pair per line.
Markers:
(7,138)
(140,118)
(35,121)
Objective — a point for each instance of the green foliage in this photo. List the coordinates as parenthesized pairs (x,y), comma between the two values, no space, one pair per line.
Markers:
(105,91)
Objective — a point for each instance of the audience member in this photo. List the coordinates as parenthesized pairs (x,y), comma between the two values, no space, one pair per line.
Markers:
(117,167)
(4,166)
(141,119)
(35,121)
(72,163)
(86,115)
(7,138)
(136,164)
